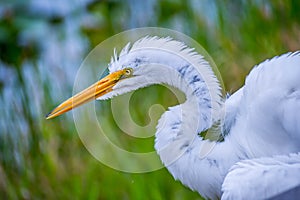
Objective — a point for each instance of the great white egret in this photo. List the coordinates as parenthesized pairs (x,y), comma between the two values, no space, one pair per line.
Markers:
(257,156)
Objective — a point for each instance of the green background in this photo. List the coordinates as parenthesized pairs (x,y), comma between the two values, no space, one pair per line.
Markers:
(42,44)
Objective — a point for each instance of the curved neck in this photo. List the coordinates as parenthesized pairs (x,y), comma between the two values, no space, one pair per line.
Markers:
(177,138)
(178,142)
(185,70)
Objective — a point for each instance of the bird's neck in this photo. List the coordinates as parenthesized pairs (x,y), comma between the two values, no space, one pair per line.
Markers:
(186,154)
(188,157)
(193,76)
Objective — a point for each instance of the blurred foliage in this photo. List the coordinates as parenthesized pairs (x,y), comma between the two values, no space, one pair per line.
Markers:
(42,159)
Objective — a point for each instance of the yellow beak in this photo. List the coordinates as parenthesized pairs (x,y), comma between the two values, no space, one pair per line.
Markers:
(96,90)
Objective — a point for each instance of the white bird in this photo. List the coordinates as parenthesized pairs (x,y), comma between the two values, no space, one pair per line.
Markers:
(257,153)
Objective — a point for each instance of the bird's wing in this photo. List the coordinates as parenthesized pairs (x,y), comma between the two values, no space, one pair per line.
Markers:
(267,114)
(276,80)
(262,178)
(263,120)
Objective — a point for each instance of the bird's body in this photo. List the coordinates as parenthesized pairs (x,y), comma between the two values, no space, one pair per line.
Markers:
(259,124)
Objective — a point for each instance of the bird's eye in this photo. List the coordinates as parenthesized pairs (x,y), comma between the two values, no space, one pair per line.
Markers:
(128,72)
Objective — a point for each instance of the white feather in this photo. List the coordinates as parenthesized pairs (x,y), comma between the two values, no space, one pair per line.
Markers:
(262,178)
(261,121)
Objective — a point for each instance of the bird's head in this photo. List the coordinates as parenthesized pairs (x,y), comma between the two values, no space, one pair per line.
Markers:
(148,61)
(130,70)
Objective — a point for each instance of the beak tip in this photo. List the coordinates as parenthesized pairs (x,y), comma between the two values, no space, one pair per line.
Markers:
(49,115)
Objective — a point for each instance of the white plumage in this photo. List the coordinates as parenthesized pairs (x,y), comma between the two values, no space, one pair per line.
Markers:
(262,178)
(257,154)
(261,126)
